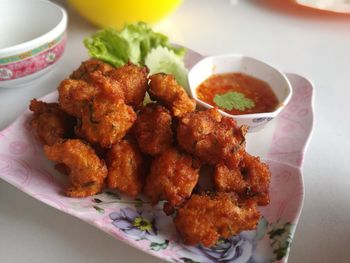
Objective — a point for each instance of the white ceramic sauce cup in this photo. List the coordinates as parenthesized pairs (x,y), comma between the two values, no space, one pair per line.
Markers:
(247,65)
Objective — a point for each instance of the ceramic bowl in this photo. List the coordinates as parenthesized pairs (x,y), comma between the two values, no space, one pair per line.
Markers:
(32,40)
(247,65)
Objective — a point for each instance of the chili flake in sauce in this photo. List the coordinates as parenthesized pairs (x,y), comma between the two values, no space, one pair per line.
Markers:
(247,94)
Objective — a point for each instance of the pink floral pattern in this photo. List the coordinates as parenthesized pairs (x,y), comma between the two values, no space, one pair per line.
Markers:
(32,64)
(23,165)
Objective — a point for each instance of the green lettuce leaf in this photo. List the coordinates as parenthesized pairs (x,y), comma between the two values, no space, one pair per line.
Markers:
(132,43)
(162,59)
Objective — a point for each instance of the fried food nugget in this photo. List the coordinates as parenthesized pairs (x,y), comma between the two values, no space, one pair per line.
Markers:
(90,66)
(152,129)
(124,162)
(105,122)
(173,176)
(229,180)
(50,122)
(86,171)
(133,80)
(105,118)
(204,219)
(212,137)
(258,176)
(164,88)
(75,94)
(250,180)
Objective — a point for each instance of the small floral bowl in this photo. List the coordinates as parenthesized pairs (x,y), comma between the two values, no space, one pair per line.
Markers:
(247,65)
(32,40)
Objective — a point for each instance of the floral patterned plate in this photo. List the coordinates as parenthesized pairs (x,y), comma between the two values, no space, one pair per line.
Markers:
(282,144)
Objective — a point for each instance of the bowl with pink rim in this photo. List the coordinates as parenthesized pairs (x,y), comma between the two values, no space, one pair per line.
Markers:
(32,40)
(229,63)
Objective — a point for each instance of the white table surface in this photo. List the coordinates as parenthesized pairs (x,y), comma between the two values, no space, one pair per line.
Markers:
(314,44)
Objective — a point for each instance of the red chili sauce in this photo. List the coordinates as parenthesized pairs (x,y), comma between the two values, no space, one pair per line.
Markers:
(255,89)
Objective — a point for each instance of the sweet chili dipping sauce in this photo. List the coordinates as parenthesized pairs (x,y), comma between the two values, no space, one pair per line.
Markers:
(258,93)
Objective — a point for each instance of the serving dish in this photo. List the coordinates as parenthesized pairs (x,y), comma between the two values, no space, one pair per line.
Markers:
(247,65)
(34,51)
(23,165)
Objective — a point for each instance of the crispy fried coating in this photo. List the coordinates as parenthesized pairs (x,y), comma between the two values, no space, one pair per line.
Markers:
(105,118)
(250,180)
(104,122)
(86,171)
(133,80)
(90,66)
(229,180)
(124,162)
(257,177)
(173,176)
(212,137)
(152,129)
(75,94)
(204,219)
(106,86)
(164,88)
(50,122)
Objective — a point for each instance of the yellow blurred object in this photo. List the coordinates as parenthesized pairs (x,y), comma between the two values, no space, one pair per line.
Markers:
(116,13)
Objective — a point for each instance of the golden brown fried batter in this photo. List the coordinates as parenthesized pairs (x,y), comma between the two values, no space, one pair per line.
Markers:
(250,180)
(105,122)
(50,122)
(105,118)
(124,162)
(90,66)
(173,176)
(164,88)
(133,80)
(229,180)
(212,137)
(204,219)
(106,86)
(75,94)
(152,129)
(87,171)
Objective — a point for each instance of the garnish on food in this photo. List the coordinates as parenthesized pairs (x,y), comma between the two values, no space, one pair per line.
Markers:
(233,100)
(162,59)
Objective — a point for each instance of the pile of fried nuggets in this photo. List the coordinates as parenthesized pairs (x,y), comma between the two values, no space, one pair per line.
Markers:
(100,134)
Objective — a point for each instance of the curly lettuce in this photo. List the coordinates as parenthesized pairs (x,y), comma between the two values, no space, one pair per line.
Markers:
(133,43)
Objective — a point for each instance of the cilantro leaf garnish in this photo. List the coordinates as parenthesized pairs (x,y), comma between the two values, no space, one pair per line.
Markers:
(233,100)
